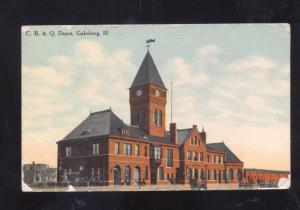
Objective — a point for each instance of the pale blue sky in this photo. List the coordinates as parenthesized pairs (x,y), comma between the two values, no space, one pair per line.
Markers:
(232,79)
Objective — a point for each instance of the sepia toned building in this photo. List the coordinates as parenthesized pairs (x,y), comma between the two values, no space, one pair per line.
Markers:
(105,150)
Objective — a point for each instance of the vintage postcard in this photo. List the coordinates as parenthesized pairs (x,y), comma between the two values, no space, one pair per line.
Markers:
(155,107)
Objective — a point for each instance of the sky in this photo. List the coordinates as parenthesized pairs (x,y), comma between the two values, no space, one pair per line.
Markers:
(231,79)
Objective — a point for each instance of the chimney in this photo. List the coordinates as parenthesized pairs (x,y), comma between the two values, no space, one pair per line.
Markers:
(203,135)
(173,133)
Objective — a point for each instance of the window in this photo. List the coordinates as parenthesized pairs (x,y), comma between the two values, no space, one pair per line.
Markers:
(127,149)
(124,131)
(215,161)
(208,158)
(169,158)
(142,117)
(95,149)
(201,174)
(93,173)
(160,173)
(159,118)
(189,155)
(157,153)
(222,159)
(98,173)
(201,156)
(215,175)
(191,141)
(146,151)
(136,117)
(155,117)
(207,174)
(146,172)
(137,150)
(68,151)
(117,148)
(195,156)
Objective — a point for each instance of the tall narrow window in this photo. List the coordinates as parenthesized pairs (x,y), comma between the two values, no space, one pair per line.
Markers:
(95,149)
(201,156)
(146,151)
(93,175)
(146,172)
(68,151)
(98,174)
(208,158)
(142,116)
(117,148)
(157,152)
(160,173)
(195,156)
(159,118)
(127,149)
(169,158)
(189,155)
(137,150)
(155,117)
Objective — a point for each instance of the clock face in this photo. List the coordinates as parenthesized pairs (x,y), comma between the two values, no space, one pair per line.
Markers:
(138,92)
(157,92)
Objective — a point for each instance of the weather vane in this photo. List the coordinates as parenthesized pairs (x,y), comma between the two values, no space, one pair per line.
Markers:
(148,41)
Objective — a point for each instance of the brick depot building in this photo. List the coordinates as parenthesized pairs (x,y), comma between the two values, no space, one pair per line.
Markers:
(105,150)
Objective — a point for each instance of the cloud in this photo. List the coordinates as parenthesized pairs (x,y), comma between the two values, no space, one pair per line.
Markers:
(181,73)
(255,102)
(259,63)
(208,50)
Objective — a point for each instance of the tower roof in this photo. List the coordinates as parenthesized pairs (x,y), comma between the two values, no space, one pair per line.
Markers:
(147,73)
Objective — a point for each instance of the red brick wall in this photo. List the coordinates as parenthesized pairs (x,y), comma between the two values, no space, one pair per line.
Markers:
(252,177)
(123,160)
(149,102)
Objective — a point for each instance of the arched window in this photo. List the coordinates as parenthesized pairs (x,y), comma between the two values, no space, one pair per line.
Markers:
(239,175)
(201,174)
(207,174)
(195,173)
(127,175)
(137,175)
(189,174)
(142,116)
(117,175)
(230,174)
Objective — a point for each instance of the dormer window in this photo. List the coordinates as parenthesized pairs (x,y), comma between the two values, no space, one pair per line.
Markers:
(124,131)
(85,132)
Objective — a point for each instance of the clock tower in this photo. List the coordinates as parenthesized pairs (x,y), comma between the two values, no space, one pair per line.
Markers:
(147,98)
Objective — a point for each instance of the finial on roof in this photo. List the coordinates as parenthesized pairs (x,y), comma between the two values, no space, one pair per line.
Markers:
(203,129)
(110,108)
